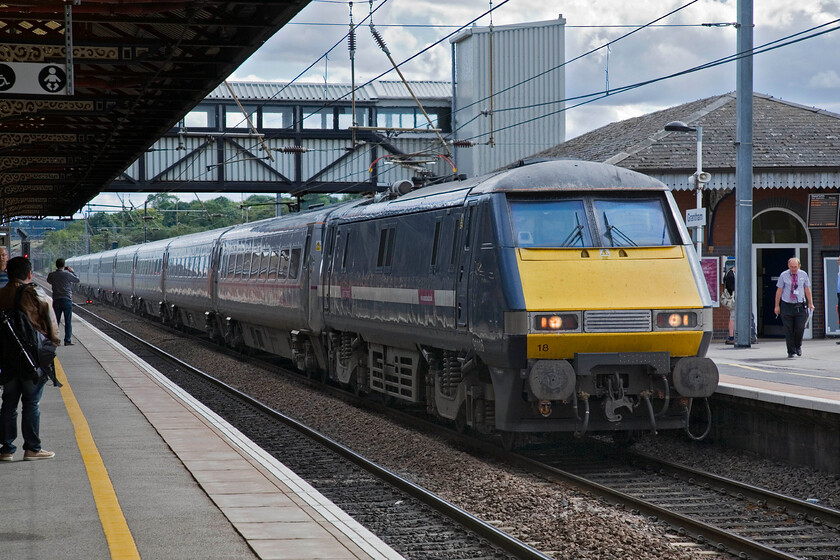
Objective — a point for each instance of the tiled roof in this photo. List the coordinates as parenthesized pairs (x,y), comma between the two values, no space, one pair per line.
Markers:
(785,136)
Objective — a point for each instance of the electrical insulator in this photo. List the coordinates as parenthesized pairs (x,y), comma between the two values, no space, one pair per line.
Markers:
(379,40)
(351,41)
(463,143)
(292,150)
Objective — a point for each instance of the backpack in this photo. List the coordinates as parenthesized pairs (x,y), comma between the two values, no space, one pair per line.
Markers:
(25,352)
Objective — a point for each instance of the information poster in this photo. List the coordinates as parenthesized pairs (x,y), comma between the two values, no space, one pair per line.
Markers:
(830,282)
(711,270)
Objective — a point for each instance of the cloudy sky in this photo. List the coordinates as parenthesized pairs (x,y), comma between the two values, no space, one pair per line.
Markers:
(805,72)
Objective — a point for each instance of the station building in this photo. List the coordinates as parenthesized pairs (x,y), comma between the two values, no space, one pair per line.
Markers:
(796,178)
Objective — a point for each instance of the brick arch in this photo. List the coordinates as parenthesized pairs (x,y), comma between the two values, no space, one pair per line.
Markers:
(779,202)
(815,250)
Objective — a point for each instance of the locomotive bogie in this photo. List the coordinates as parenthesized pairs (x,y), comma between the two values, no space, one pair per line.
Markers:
(556,297)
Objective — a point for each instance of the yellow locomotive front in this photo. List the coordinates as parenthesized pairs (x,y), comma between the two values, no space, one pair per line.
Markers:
(617,316)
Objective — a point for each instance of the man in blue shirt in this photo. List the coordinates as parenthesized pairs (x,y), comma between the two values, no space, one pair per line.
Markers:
(794,304)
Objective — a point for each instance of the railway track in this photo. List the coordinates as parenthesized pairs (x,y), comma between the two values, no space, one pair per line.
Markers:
(721,514)
(412,520)
(729,516)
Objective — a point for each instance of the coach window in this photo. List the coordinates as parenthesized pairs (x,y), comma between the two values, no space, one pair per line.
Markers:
(229,264)
(238,258)
(265,265)
(256,257)
(273,261)
(294,263)
(283,270)
(246,261)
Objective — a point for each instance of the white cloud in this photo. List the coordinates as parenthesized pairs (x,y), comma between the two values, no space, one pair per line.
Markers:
(806,72)
(826,79)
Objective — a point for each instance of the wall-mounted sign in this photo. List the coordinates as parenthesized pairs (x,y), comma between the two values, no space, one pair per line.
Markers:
(822,210)
(31,78)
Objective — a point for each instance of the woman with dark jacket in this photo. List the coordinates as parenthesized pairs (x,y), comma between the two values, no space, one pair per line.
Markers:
(729,285)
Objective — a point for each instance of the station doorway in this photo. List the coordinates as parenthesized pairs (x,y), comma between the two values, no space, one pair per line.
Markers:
(778,235)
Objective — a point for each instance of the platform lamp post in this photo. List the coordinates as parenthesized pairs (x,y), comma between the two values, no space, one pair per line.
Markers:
(700,178)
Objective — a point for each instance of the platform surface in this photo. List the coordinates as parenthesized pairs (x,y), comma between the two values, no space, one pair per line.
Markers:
(143,471)
(763,371)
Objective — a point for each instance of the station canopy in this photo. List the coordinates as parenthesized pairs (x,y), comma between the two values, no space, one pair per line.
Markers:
(69,125)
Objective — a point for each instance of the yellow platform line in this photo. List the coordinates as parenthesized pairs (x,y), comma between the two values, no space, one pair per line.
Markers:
(120,541)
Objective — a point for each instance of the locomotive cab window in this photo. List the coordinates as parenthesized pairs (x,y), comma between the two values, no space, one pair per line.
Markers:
(632,222)
(550,223)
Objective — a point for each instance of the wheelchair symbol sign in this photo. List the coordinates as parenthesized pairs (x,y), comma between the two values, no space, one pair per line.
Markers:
(52,79)
(7,77)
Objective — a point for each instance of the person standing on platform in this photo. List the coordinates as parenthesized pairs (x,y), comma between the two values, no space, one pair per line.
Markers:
(4,259)
(62,280)
(794,304)
(16,390)
(729,286)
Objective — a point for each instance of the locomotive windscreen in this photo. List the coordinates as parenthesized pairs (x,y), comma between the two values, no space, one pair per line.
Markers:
(591,222)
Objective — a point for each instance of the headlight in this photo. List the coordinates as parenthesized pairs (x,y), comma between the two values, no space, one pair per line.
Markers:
(676,320)
(556,322)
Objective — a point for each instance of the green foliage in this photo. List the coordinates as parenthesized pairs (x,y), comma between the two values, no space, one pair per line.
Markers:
(164,216)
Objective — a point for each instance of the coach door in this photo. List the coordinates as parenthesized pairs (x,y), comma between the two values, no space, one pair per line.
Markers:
(328,262)
(462,278)
(213,274)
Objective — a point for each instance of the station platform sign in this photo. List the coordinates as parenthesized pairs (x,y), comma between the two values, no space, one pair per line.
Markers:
(31,78)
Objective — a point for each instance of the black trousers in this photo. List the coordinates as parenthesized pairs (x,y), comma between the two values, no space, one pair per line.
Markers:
(794,317)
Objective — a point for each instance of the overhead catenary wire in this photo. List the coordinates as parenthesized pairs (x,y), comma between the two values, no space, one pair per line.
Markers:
(575,59)
(607,92)
(595,96)
(381,42)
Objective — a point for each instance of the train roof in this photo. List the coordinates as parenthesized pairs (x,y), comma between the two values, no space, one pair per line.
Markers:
(569,175)
(286,222)
(550,176)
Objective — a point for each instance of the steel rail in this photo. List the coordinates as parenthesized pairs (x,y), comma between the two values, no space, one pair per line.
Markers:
(493,535)
(699,531)
(813,512)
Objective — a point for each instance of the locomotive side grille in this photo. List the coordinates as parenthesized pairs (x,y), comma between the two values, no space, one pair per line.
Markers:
(625,320)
